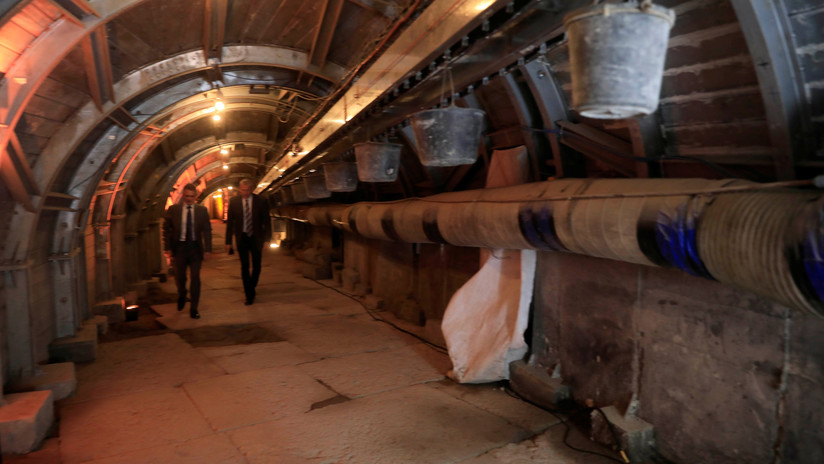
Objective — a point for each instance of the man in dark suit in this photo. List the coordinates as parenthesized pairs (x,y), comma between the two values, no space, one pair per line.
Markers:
(248,221)
(187,236)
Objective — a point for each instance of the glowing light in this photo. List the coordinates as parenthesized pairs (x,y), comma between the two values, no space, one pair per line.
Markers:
(261,185)
(229,187)
(274,245)
(281,169)
(483,5)
(219,106)
(210,110)
(216,117)
(224,151)
(225,166)
(312,170)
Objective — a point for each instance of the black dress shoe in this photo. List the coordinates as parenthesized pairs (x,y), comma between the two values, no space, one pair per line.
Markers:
(195,315)
(180,305)
(248,302)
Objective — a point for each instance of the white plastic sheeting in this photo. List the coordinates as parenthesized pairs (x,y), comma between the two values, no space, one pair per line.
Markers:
(485,321)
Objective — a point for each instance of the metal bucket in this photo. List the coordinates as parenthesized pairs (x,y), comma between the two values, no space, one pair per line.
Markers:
(316,187)
(447,136)
(378,162)
(341,176)
(616,54)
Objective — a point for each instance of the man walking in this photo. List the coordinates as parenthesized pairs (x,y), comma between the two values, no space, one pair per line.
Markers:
(187,236)
(248,222)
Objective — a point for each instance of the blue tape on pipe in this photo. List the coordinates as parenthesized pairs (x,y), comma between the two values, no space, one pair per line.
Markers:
(813,251)
(676,237)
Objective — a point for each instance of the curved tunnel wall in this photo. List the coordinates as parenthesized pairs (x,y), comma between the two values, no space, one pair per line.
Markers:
(735,232)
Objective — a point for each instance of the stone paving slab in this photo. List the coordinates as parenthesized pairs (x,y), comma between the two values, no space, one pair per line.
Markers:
(548,448)
(334,335)
(495,400)
(212,449)
(368,373)
(240,358)
(412,425)
(141,364)
(111,426)
(232,401)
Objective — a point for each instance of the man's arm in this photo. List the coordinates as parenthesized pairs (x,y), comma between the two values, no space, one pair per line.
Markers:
(265,220)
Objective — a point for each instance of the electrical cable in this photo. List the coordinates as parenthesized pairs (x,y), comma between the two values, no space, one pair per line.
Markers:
(565,422)
(435,346)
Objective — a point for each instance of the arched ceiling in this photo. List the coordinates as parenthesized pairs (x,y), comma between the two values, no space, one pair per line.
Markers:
(111,96)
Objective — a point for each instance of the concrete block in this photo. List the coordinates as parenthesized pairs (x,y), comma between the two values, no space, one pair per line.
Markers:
(313,271)
(24,421)
(373,302)
(130,298)
(80,348)
(337,270)
(60,378)
(409,310)
(360,290)
(102,323)
(637,437)
(349,277)
(535,384)
(114,310)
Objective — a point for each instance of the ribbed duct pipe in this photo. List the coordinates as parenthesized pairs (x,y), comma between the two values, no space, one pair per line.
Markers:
(767,241)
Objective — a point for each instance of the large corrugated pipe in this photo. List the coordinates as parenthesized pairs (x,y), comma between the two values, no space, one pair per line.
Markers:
(751,236)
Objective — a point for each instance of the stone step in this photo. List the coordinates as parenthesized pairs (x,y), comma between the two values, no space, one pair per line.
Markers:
(25,420)
(80,348)
(60,378)
(102,324)
(114,310)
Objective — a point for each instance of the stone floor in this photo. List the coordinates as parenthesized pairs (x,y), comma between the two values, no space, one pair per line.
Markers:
(305,375)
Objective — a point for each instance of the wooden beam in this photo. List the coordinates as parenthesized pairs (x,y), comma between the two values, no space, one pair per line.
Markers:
(22,165)
(214,28)
(10,173)
(326,30)
(98,67)
(600,146)
(75,10)
(166,151)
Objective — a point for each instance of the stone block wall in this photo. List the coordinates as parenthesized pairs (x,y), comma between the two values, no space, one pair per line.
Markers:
(723,375)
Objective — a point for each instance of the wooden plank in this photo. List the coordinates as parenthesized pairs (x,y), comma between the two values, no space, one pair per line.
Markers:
(7,58)
(33,20)
(14,37)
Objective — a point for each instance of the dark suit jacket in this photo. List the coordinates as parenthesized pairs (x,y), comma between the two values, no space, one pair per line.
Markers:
(261,225)
(172,227)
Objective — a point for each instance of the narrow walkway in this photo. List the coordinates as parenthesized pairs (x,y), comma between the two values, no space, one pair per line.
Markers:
(304,375)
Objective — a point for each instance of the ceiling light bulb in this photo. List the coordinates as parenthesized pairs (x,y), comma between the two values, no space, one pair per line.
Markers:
(216,117)
(225,166)
(229,187)
(224,151)
(219,106)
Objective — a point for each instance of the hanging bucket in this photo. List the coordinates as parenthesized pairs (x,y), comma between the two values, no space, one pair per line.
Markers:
(341,176)
(447,136)
(316,187)
(616,55)
(378,162)
(299,193)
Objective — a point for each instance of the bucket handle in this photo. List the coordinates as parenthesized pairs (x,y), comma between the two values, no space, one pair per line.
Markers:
(448,75)
(645,5)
